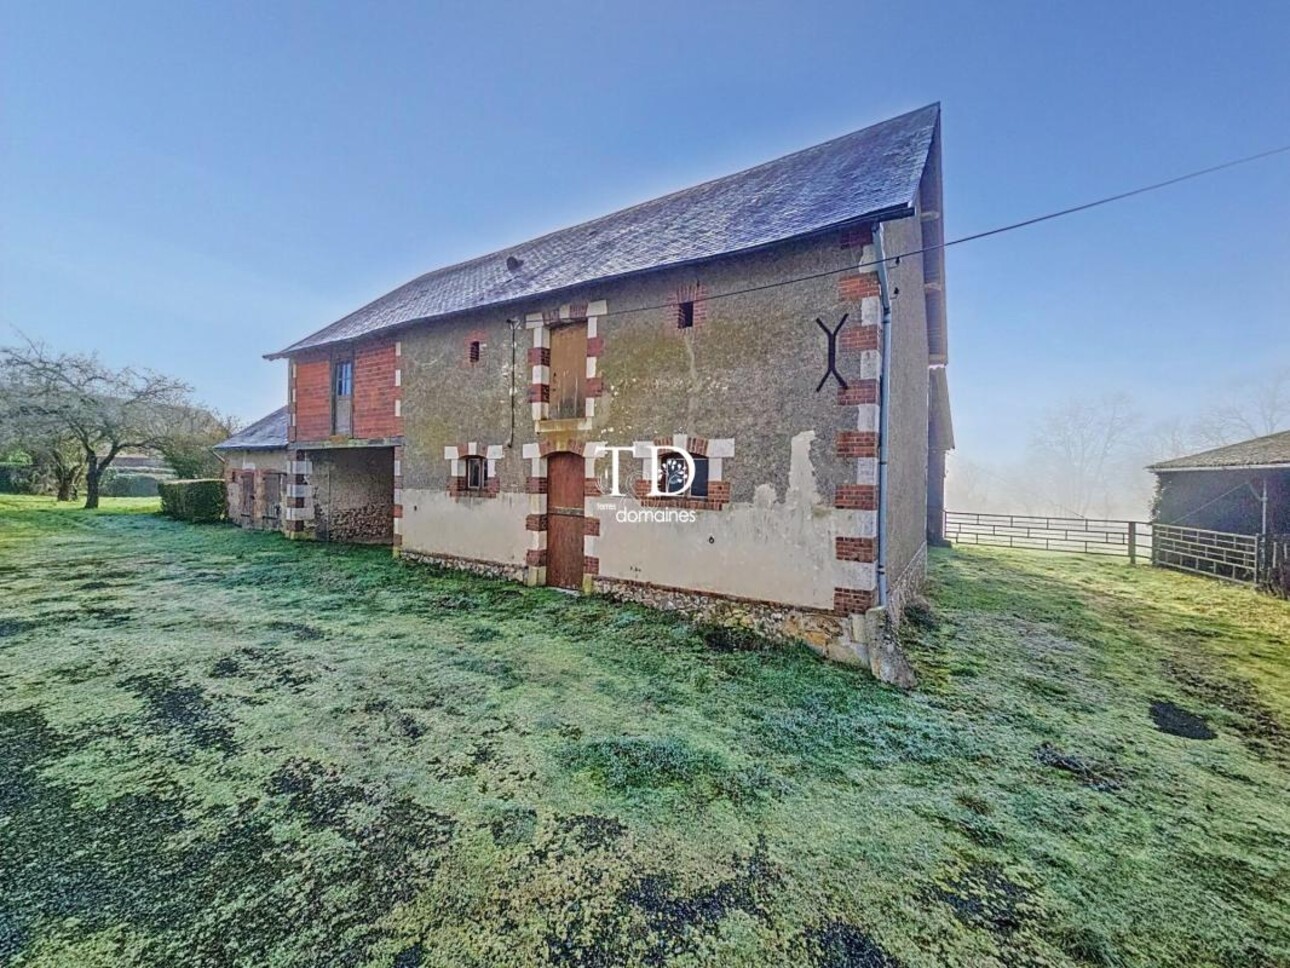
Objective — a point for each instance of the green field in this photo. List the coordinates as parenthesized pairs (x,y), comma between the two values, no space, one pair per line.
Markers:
(227,748)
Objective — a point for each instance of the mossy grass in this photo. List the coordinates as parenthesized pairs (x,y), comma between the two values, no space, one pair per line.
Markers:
(224,747)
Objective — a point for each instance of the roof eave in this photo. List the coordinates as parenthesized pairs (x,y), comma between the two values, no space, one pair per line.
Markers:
(1161,469)
(891,214)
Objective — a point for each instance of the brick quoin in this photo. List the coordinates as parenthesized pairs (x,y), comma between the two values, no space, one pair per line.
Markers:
(862,391)
(856,497)
(540,393)
(594,387)
(535,485)
(535,558)
(719,491)
(856,338)
(854,549)
(857,443)
(591,526)
(540,356)
(535,522)
(847,601)
(590,487)
(595,346)
(590,565)
(858,286)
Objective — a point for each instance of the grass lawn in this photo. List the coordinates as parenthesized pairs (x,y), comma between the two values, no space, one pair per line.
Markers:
(228,748)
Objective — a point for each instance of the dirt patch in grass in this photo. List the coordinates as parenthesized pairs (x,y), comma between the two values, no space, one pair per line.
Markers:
(14,626)
(255,662)
(183,709)
(984,897)
(836,944)
(1257,725)
(1090,772)
(653,919)
(721,638)
(298,630)
(513,826)
(1177,721)
(591,832)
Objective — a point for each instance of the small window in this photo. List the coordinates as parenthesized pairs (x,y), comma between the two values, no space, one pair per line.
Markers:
(476,474)
(685,315)
(474,351)
(671,475)
(344,373)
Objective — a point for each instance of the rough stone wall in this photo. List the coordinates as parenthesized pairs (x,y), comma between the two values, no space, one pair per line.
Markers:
(747,370)
(353,494)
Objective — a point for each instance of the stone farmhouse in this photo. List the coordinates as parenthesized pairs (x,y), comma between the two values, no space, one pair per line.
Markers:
(784,326)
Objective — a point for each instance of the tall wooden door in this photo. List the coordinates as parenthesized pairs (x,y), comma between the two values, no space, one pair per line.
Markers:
(564,503)
(568,371)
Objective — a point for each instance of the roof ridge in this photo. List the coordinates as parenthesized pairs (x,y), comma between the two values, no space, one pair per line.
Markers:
(898,143)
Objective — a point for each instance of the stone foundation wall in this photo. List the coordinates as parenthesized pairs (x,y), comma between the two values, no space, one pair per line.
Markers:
(906,586)
(488,569)
(825,632)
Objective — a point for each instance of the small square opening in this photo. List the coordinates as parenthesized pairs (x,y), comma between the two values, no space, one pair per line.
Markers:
(685,315)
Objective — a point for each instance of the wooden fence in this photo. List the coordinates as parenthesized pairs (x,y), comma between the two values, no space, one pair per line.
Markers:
(1246,558)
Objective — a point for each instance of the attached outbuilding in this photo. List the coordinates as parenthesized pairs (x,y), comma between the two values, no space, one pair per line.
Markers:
(1243,488)
(255,469)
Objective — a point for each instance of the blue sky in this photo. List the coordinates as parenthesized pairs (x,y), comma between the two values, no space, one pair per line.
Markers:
(188,186)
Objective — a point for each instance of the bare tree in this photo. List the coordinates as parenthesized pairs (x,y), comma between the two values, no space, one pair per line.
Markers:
(1080,451)
(102,410)
(1254,410)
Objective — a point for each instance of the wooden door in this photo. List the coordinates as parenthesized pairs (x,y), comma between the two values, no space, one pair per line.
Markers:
(272,497)
(568,371)
(248,495)
(564,504)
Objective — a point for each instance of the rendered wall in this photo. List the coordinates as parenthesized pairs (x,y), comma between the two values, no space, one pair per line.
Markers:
(747,371)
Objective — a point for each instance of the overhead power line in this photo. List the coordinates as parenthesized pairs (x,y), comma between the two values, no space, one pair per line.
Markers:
(1120,196)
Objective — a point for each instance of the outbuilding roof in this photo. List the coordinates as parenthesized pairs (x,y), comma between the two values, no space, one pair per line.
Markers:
(1270,451)
(866,175)
(267,433)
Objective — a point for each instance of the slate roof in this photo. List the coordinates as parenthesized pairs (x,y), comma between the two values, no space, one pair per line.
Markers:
(267,433)
(1270,451)
(867,174)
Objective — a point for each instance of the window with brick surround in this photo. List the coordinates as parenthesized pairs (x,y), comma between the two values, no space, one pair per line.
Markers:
(474,351)
(476,474)
(671,475)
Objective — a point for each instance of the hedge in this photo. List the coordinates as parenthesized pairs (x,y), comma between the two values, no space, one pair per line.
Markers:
(132,483)
(199,500)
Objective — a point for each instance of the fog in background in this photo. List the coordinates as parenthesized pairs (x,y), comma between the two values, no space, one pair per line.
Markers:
(1087,457)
